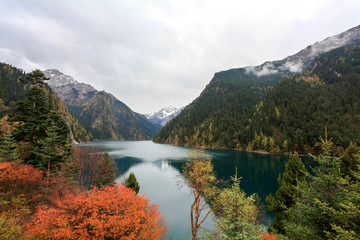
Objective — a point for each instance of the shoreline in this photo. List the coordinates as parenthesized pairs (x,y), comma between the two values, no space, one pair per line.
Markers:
(234,149)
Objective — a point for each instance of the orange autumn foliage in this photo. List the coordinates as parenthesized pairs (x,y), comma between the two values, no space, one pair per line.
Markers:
(113,212)
(17,179)
(21,190)
(269,236)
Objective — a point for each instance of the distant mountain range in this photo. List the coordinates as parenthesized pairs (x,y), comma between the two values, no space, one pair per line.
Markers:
(254,107)
(104,116)
(226,114)
(163,116)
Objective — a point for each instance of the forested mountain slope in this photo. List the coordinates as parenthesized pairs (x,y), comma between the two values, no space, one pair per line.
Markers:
(100,112)
(222,116)
(295,112)
(12,90)
(218,117)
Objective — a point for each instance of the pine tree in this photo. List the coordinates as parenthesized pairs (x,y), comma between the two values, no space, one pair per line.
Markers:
(288,192)
(349,161)
(54,148)
(42,129)
(348,226)
(132,183)
(237,214)
(35,78)
(8,148)
(329,207)
(32,112)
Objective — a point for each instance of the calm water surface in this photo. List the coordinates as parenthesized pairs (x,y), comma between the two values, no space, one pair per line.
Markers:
(158,170)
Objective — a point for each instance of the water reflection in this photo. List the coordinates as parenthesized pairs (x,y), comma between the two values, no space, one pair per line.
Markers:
(158,169)
(160,182)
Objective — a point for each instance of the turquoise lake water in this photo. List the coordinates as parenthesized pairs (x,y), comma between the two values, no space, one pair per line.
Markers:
(158,170)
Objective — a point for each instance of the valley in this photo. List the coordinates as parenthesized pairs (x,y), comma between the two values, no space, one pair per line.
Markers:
(69,153)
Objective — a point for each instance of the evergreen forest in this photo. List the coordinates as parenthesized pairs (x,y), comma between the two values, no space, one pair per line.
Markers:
(275,113)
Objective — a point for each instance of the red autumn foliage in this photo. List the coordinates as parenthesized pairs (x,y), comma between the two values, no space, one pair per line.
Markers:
(113,212)
(269,236)
(30,183)
(19,179)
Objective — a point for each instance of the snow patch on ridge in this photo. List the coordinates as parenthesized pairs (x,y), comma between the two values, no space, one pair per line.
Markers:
(298,62)
(164,115)
(60,80)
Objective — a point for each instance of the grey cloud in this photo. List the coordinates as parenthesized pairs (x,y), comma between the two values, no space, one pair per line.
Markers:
(153,54)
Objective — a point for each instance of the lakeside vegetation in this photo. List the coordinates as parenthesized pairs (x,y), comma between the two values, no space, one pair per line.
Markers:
(50,189)
(323,204)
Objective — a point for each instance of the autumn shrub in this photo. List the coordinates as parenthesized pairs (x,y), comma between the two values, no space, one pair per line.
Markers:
(18,179)
(21,189)
(269,236)
(113,212)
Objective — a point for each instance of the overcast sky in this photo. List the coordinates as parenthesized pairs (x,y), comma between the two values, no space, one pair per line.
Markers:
(156,53)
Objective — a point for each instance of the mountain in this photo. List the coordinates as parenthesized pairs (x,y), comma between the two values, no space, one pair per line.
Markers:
(164,115)
(300,61)
(222,116)
(294,113)
(100,112)
(13,90)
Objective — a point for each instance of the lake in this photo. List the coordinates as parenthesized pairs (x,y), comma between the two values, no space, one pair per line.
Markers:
(157,168)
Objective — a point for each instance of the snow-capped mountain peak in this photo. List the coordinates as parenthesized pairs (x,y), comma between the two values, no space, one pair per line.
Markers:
(64,83)
(58,79)
(164,115)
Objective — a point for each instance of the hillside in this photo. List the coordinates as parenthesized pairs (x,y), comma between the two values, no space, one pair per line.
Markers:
(13,90)
(221,117)
(211,119)
(295,112)
(100,112)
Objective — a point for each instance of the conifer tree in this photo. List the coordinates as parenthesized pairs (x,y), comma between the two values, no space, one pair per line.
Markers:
(53,149)
(348,215)
(237,214)
(329,206)
(132,183)
(42,128)
(287,193)
(349,161)
(35,78)
(32,112)
(8,148)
